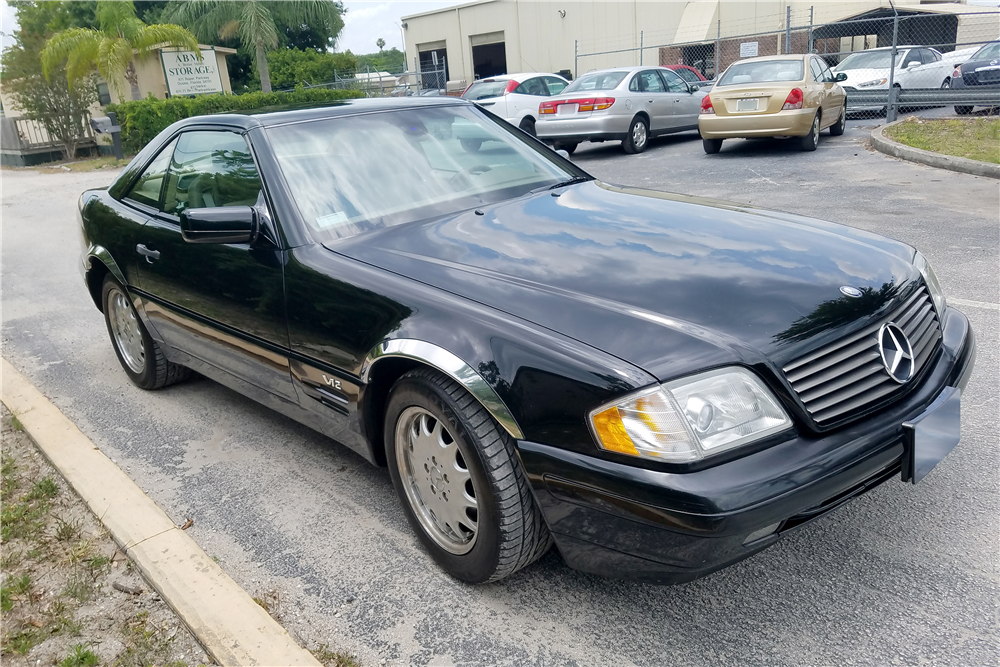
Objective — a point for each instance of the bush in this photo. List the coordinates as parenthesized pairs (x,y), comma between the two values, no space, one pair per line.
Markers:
(291,67)
(142,120)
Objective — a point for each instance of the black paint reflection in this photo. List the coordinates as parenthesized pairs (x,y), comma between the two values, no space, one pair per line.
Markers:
(836,312)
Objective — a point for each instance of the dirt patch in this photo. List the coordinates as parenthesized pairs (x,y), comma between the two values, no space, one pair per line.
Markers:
(70,597)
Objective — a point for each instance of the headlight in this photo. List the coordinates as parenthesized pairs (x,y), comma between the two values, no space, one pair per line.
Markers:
(873,82)
(933,286)
(691,418)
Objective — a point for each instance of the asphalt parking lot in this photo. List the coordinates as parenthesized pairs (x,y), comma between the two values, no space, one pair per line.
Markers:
(904,575)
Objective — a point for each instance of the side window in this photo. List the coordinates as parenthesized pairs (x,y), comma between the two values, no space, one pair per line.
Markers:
(147,189)
(816,69)
(211,169)
(633,85)
(650,82)
(555,85)
(533,86)
(675,84)
(827,73)
(928,56)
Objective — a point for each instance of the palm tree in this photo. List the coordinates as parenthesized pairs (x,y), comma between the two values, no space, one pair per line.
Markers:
(380,43)
(113,47)
(254,22)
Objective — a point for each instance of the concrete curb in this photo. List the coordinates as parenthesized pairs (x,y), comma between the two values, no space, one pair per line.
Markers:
(883,144)
(229,624)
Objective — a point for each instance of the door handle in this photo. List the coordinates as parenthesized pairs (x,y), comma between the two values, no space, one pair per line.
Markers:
(150,255)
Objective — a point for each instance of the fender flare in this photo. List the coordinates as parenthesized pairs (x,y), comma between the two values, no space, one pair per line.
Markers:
(104,256)
(452,366)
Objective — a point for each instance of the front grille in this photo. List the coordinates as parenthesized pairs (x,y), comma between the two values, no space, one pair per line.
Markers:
(847,376)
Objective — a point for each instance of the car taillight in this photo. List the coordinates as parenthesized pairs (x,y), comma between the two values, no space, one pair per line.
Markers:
(511,87)
(706,105)
(587,104)
(794,100)
(957,74)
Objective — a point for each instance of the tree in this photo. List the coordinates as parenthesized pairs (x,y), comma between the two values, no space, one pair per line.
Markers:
(110,48)
(392,60)
(291,67)
(62,109)
(380,43)
(255,22)
(45,18)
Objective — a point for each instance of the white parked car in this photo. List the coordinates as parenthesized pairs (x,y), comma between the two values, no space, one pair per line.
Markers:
(916,67)
(515,97)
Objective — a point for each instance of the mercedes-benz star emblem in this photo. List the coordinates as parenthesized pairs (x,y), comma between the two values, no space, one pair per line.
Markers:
(897,354)
(847,290)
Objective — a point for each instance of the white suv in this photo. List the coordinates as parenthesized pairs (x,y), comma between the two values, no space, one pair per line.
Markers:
(515,97)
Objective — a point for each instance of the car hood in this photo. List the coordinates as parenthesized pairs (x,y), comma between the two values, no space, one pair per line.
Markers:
(857,76)
(666,282)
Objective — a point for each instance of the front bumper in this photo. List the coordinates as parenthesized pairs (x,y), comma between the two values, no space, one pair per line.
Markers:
(621,521)
(794,123)
(571,129)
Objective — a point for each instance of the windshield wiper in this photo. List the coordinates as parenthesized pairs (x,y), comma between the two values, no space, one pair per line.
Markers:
(572,181)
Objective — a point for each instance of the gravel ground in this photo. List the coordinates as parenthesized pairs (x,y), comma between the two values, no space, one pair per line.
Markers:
(903,575)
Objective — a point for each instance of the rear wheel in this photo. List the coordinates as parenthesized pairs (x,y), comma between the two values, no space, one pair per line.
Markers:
(459,480)
(811,140)
(963,111)
(138,353)
(569,148)
(638,136)
(528,126)
(838,128)
(711,146)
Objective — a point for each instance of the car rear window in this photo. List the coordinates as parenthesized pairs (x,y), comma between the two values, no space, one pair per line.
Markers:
(762,71)
(596,81)
(482,90)
(988,52)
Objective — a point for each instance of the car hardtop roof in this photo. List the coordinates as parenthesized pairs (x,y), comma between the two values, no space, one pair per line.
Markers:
(280,115)
(780,56)
(631,68)
(516,76)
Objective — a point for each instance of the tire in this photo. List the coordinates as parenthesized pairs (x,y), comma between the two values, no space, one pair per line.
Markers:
(963,111)
(711,146)
(946,84)
(433,428)
(528,126)
(138,353)
(471,145)
(569,148)
(811,140)
(838,128)
(638,136)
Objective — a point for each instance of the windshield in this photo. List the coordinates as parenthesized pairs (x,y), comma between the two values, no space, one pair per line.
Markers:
(482,90)
(988,52)
(596,81)
(762,71)
(869,60)
(358,173)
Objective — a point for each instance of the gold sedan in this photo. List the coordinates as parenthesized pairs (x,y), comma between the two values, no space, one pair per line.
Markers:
(774,96)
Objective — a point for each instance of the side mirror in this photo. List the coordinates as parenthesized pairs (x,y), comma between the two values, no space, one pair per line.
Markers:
(840,77)
(912,64)
(225,224)
(692,87)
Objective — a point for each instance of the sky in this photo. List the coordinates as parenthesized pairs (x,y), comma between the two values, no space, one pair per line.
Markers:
(364,22)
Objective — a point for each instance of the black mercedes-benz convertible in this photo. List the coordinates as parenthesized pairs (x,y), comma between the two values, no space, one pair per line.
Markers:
(660,385)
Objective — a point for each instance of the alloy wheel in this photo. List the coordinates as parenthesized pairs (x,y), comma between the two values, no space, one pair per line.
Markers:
(437,481)
(639,135)
(125,328)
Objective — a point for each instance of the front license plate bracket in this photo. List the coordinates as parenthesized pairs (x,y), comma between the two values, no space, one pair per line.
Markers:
(931,436)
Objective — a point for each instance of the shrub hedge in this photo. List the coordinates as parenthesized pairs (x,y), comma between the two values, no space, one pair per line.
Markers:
(142,120)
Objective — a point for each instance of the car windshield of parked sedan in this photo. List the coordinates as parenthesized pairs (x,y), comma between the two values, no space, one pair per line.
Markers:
(868,60)
(762,71)
(988,52)
(358,173)
(482,90)
(596,81)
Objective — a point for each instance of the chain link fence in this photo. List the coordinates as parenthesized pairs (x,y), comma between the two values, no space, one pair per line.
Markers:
(894,59)
(382,83)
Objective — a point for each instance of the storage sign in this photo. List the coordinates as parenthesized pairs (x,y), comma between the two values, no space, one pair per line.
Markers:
(186,75)
(748,49)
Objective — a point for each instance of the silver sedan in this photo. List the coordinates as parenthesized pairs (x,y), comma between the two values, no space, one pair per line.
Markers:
(627,104)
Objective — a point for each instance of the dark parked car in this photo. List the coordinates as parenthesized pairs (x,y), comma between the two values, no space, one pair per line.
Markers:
(981,71)
(659,384)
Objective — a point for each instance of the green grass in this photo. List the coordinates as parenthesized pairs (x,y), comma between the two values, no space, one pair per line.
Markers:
(80,657)
(334,658)
(973,138)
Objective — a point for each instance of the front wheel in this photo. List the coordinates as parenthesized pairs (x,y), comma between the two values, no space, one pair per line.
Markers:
(569,148)
(838,128)
(811,140)
(963,111)
(458,478)
(711,146)
(138,353)
(638,136)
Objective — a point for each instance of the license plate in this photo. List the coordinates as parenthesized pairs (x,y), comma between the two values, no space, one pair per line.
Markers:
(932,435)
(747,105)
(564,109)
